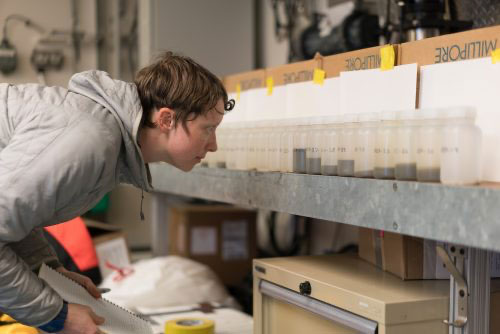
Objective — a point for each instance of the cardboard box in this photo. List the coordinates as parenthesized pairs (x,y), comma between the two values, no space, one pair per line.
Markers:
(295,72)
(407,257)
(246,80)
(110,245)
(470,44)
(363,59)
(222,237)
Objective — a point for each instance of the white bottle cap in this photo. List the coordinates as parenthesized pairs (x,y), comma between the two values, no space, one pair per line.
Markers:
(460,112)
(350,118)
(388,115)
(430,114)
(407,115)
(369,117)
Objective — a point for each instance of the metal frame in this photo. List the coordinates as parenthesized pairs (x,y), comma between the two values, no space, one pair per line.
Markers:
(460,215)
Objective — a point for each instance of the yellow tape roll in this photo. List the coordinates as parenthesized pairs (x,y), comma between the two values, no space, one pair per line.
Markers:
(190,326)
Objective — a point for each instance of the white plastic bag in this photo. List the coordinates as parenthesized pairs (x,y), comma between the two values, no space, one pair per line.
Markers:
(166,281)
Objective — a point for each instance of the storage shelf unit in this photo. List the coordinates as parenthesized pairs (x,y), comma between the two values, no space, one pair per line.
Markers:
(463,215)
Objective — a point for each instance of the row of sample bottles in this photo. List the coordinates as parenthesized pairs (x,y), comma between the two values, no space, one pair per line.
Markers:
(435,145)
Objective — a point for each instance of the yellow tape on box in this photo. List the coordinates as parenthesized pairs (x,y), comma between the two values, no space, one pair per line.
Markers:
(190,326)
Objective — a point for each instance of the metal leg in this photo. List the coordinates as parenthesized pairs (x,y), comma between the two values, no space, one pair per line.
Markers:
(479,278)
(159,224)
(469,289)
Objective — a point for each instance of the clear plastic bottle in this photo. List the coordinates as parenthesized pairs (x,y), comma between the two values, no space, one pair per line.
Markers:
(241,138)
(300,146)
(347,136)
(251,146)
(274,131)
(262,140)
(385,145)
(365,144)
(286,147)
(314,140)
(428,144)
(329,158)
(220,159)
(405,153)
(231,147)
(461,147)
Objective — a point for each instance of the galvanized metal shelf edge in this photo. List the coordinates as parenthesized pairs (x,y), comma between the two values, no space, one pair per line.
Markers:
(464,215)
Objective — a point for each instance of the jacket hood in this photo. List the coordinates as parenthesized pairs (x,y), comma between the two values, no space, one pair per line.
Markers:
(122,100)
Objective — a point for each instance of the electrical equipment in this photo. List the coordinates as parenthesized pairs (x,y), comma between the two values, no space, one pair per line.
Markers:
(44,59)
(359,30)
(8,57)
(421,19)
(8,54)
(303,26)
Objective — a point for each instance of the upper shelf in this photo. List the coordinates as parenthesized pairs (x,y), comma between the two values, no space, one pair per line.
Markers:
(462,215)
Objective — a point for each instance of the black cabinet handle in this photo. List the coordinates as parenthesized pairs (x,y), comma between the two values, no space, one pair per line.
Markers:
(305,288)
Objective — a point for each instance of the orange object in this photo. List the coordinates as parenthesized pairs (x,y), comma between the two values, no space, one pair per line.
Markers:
(75,238)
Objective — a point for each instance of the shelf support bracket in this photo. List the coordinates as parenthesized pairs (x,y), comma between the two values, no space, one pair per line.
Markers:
(463,293)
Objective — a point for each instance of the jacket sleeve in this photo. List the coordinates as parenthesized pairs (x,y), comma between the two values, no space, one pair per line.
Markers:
(42,173)
(27,200)
(34,249)
(21,291)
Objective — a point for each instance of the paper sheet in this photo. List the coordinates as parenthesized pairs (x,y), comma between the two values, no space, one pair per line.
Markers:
(301,100)
(118,320)
(473,83)
(375,90)
(256,105)
(328,96)
(275,104)
(239,113)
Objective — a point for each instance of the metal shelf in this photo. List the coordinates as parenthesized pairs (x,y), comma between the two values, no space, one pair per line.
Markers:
(464,215)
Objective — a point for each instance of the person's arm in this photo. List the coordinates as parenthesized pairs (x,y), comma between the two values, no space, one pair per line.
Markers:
(22,295)
(39,177)
(34,249)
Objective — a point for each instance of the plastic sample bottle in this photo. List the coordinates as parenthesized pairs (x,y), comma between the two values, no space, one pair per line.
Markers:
(286,147)
(273,150)
(314,140)
(405,152)
(366,134)
(231,147)
(220,160)
(329,159)
(242,147)
(300,146)
(385,145)
(262,142)
(461,147)
(347,136)
(428,144)
(252,146)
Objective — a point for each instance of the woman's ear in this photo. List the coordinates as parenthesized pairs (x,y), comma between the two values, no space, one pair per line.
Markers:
(165,119)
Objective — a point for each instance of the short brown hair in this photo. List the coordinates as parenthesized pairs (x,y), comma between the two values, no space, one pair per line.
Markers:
(179,83)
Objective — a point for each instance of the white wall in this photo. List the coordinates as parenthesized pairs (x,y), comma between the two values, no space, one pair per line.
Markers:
(219,34)
(50,14)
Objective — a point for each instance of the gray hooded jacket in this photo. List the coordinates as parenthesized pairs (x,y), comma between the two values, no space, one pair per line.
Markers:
(60,152)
